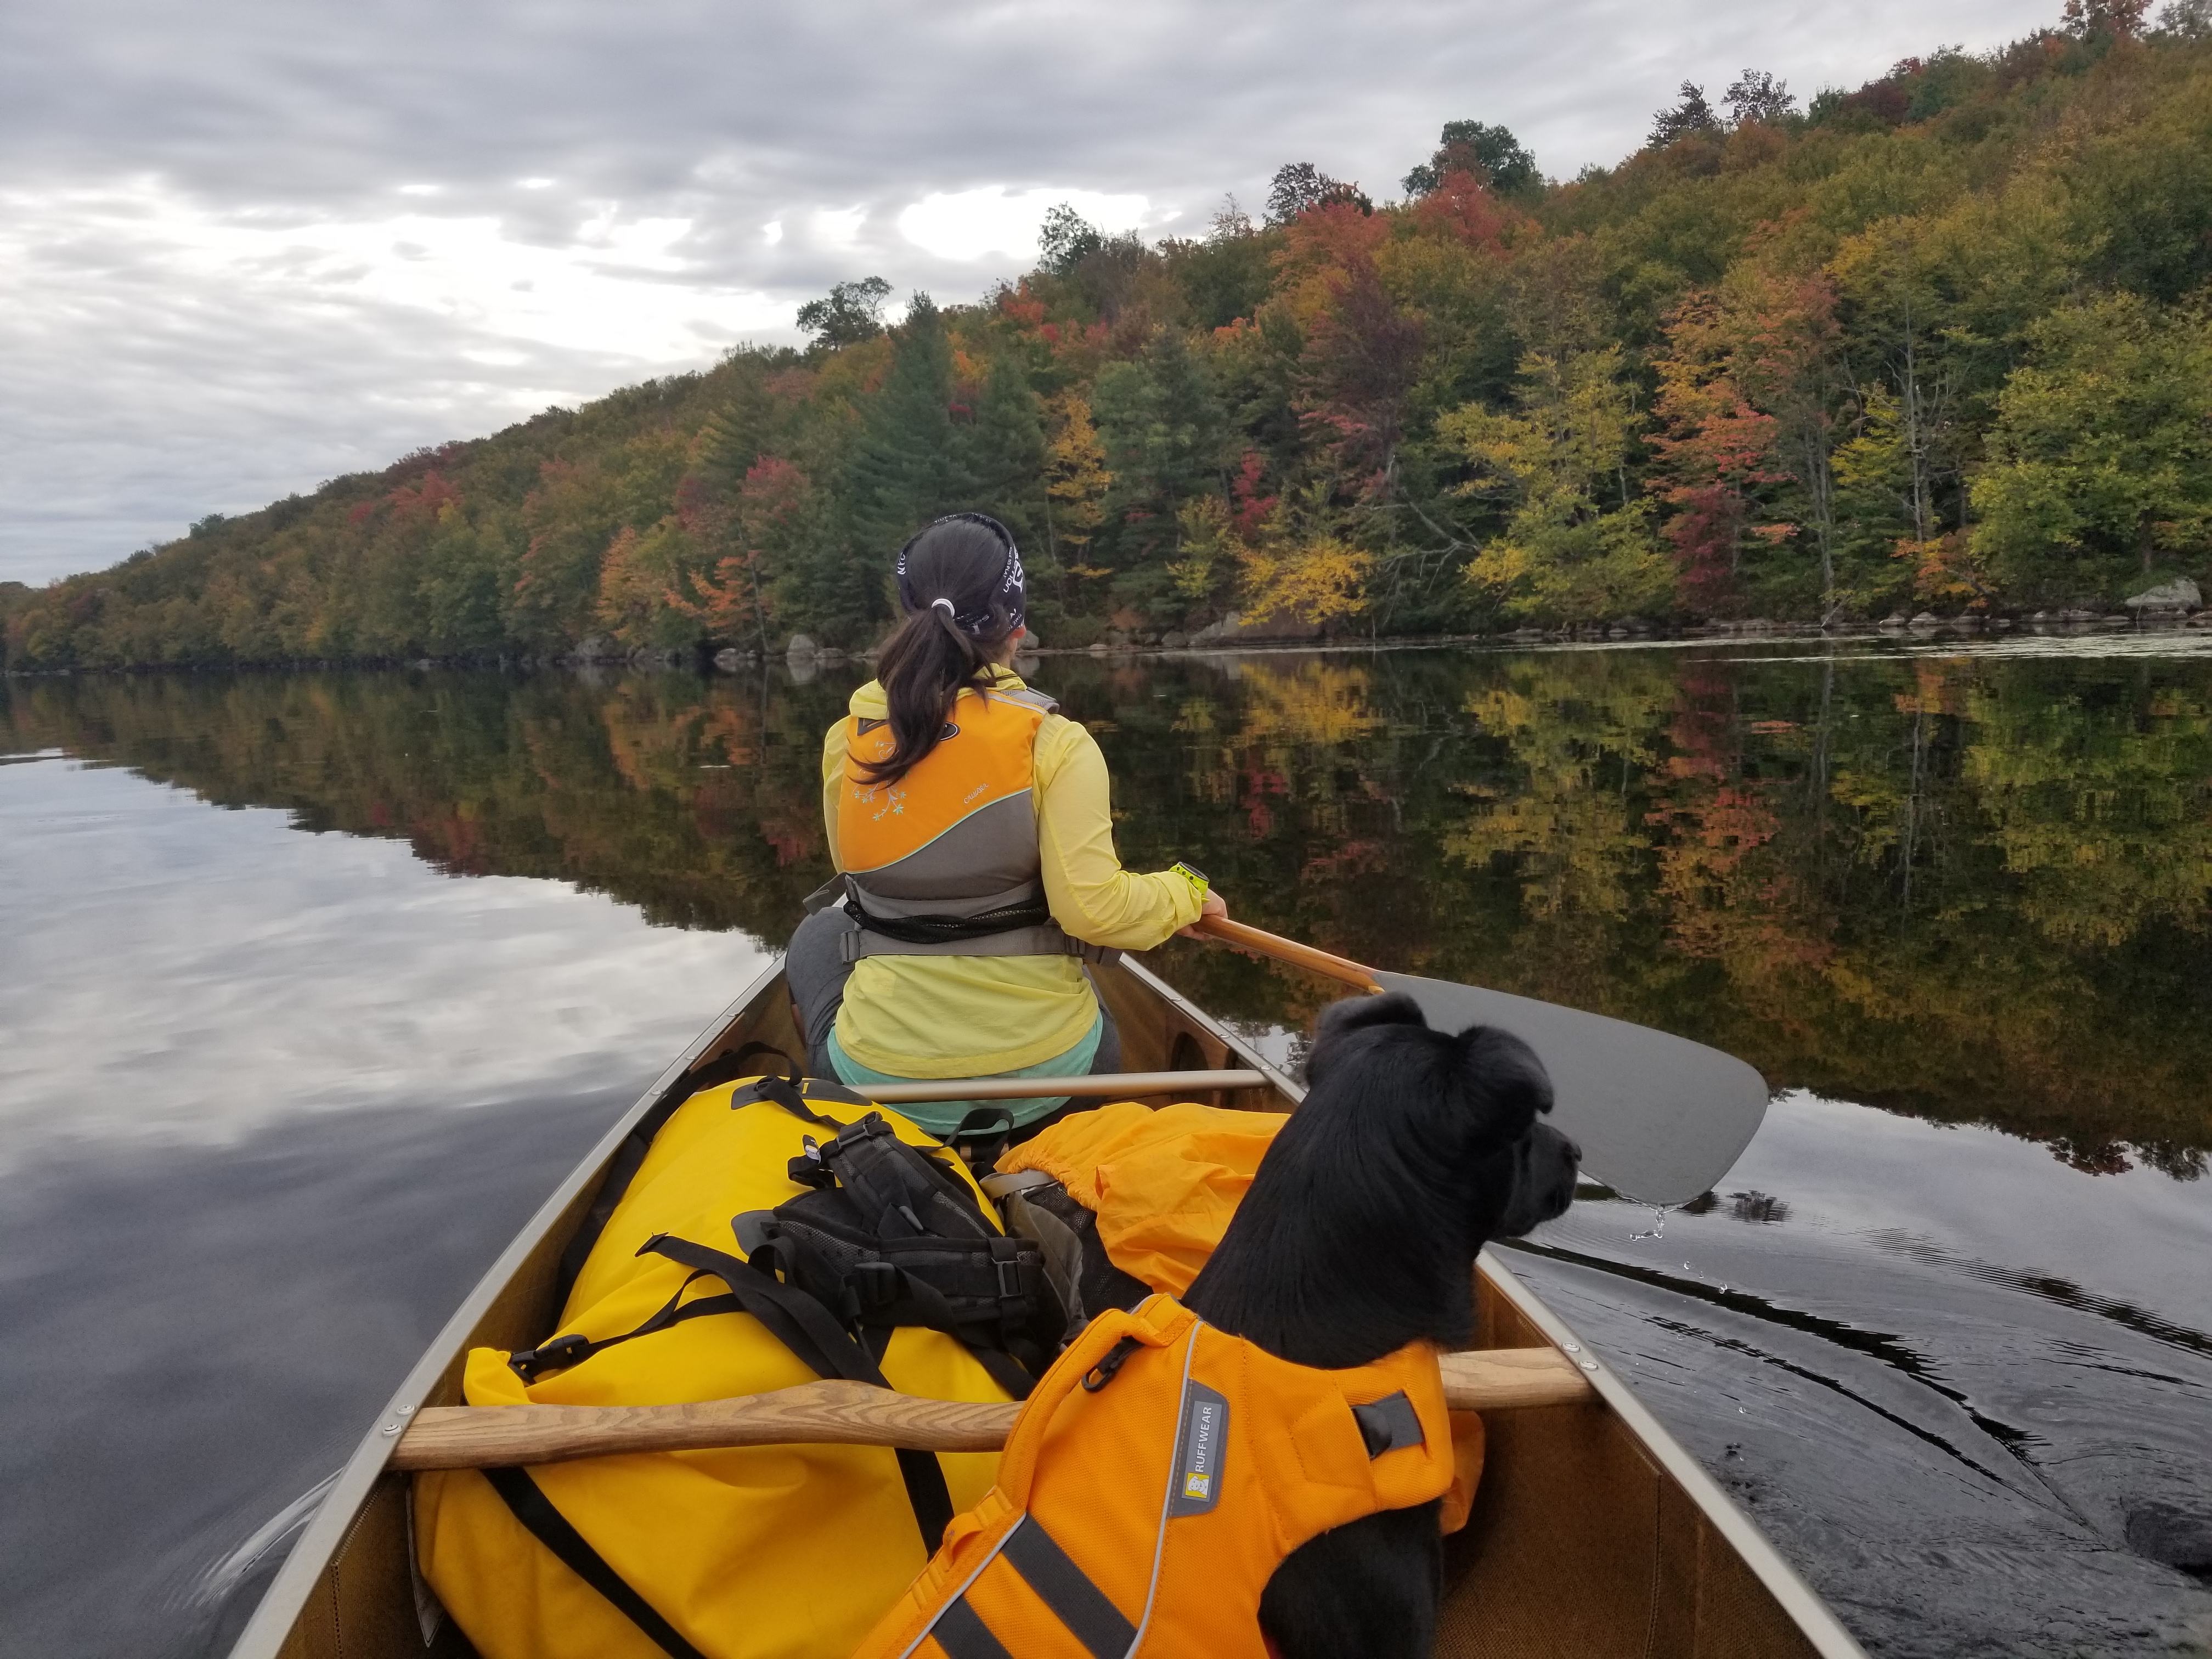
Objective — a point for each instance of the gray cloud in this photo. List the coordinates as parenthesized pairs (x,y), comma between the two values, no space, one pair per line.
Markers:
(167,355)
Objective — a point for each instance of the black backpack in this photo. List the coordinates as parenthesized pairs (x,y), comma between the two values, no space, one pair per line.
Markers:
(889,1234)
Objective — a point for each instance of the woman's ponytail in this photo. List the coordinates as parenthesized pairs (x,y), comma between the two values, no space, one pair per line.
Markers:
(960,582)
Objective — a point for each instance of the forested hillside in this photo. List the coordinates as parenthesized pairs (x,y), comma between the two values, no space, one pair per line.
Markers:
(1944,340)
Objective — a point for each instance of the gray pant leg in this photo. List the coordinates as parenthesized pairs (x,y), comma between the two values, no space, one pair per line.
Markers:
(816,970)
(1109,1057)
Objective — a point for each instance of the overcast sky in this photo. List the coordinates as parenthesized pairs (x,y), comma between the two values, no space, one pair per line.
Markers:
(246,245)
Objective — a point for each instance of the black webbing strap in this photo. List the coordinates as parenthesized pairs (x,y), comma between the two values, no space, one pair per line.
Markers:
(784,1095)
(811,1332)
(918,1304)
(1005,1370)
(562,1351)
(535,1511)
(793,1317)
(623,1167)
(951,930)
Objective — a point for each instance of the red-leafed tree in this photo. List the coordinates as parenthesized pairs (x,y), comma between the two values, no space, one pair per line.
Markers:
(735,598)
(1745,429)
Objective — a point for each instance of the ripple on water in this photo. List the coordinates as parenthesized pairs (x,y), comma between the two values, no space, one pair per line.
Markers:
(1964,1454)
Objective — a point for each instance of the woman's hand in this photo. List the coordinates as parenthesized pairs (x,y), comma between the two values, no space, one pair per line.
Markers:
(1214,905)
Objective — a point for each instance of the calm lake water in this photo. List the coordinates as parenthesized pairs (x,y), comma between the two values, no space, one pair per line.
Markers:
(312,985)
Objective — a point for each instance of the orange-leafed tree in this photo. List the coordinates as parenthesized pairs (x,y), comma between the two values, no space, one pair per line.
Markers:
(735,598)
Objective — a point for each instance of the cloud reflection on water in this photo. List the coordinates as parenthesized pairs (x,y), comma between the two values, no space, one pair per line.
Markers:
(191,976)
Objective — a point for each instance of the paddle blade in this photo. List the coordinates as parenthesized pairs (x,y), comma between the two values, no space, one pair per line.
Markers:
(1659,1118)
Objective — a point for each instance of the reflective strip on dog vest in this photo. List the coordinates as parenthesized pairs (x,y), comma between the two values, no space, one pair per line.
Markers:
(1157,1476)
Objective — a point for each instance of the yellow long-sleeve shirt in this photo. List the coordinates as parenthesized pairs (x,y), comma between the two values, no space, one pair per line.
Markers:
(926,1017)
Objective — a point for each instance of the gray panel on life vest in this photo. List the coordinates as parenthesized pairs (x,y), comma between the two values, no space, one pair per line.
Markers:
(993,849)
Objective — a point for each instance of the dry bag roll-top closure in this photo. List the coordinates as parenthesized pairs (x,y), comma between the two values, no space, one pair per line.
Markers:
(945,860)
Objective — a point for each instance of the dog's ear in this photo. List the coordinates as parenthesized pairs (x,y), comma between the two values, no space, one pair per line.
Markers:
(1341,1020)
(1506,1081)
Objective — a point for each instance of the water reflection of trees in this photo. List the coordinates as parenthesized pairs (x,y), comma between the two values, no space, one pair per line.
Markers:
(1972,890)
(697,801)
(1969,888)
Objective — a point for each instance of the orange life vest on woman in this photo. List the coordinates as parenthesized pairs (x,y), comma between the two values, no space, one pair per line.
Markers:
(951,849)
(1157,1476)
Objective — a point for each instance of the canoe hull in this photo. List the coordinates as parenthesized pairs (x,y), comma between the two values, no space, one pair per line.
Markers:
(1592,1533)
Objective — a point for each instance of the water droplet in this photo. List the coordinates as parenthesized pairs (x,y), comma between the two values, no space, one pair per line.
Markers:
(1658,1224)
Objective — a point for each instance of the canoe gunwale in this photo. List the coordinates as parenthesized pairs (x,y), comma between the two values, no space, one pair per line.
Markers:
(286,1596)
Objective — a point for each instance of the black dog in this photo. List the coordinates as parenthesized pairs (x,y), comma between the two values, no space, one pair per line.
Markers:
(1359,1235)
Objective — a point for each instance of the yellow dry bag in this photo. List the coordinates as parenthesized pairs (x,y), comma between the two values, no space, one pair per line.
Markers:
(867,1259)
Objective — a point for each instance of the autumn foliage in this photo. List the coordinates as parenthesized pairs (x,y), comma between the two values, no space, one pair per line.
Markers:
(1941,340)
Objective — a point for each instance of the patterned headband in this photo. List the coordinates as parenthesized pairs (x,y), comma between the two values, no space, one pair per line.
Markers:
(1011,591)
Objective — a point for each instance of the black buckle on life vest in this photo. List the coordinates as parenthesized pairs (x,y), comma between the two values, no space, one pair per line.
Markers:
(558,1354)
(808,1168)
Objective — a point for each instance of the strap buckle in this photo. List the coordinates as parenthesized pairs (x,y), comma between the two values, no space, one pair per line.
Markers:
(1102,1373)
(1006,1261)
(876,1284)
(556,1355)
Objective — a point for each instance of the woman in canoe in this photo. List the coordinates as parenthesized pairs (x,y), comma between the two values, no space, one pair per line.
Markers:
(970,828)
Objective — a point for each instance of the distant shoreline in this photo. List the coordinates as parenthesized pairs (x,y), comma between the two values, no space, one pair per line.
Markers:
(705,662)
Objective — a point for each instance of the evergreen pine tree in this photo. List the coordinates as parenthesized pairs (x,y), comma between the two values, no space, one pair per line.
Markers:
(1165,437)
(904,470)
(1001,453)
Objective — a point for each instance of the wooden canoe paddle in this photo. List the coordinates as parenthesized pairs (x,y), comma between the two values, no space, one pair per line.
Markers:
(858,1414)
(1659,1118)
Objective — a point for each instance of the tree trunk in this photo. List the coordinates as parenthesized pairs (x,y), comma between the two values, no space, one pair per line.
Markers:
(1915,434)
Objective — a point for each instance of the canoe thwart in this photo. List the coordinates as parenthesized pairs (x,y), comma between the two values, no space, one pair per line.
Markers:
(858,1414)
(1121,1085)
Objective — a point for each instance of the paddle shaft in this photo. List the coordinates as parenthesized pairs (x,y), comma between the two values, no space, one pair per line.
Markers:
(856,1414)
(1265,943)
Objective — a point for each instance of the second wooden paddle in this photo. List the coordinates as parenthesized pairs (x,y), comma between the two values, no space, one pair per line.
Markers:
(857,1414)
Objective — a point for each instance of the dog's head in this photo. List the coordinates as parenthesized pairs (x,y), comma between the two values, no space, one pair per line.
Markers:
(1467,1105)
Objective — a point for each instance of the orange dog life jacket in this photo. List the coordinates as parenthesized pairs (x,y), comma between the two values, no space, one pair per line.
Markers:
(1157,1477)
